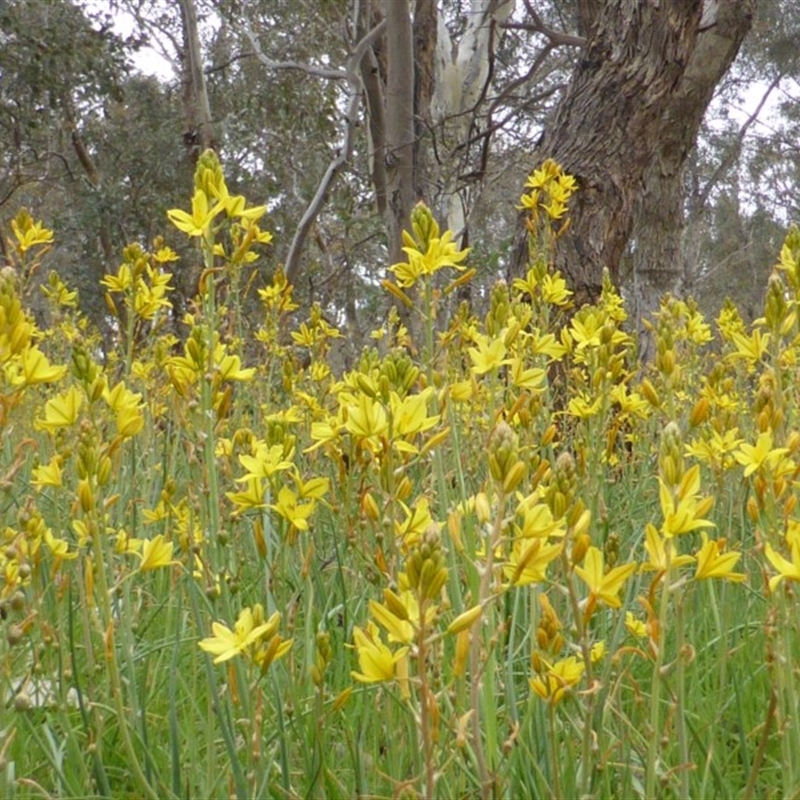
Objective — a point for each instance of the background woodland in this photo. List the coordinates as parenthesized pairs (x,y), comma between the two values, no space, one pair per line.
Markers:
(681,130)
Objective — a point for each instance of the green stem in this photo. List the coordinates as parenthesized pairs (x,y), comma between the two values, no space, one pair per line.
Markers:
(651,767)
(104,599)
(586,652)
(554,755)
(424,704)
(483,712)
(680,701)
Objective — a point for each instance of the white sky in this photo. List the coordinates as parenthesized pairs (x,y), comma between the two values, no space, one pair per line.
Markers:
(148,60)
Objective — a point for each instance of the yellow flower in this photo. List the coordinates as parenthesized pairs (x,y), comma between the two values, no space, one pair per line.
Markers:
(529,560)
(598,651)
(61,411)
(461,391)
(323,433)
(534,378)
(400,619)
(410,414)
(488,355)
(762,454)
(230,366)
(198,222)
(417,520)
(603,586)
(313,488)
(787,570)
(537,520)
(554,290)
(120,282)
(251,497)
(295,513)
(584,407)
(711,563)
(441,252)
(155,553)
(165,254)
(635,626)
(265,462)
(270,648)
(751,348)
(657,548)
(558,678)
(227,643)
(29,233)
(688,514)
(630,402)
(585,330)
(48,474)
(376,661)
(59,293)
(58,547)
(546,345)
(128,407)
(716,450)
(37,369)
(366,418)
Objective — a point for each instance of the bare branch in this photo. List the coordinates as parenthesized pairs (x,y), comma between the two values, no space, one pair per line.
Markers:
(154,41)
(292,264)
(312,69)
(727,162)
(351,74)
(538,25)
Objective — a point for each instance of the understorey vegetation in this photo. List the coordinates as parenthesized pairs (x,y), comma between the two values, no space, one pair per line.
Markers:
(498,556)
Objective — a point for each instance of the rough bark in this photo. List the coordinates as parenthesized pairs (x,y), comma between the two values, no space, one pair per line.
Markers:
(608,126)
(658,222)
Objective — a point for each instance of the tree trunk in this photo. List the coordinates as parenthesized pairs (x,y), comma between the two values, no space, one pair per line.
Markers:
(608,128)
(200,132)
(658,222)
(399,118)
(425,25)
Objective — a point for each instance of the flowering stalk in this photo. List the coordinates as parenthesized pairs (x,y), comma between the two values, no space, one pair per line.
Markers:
(507,472)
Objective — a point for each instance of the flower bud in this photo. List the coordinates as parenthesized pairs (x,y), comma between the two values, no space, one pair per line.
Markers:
(699,413)
(465,620)
(370,507)
(423,225)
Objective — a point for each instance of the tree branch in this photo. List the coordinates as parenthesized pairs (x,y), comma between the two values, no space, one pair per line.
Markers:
(313,69)
(727,162)
(351,74)
(557,38)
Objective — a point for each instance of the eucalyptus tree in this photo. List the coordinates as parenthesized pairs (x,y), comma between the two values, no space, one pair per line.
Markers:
(624,127)
(59,67)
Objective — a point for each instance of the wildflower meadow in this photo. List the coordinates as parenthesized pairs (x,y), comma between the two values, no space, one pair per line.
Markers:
(498,557)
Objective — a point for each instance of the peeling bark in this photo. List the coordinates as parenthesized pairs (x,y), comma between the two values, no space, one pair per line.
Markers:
(425,25)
